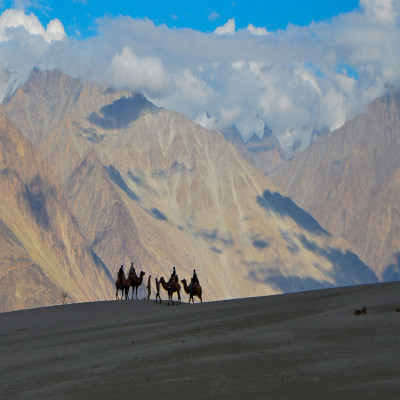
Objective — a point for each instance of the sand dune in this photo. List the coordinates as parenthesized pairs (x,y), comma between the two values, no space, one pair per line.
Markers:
(297,346)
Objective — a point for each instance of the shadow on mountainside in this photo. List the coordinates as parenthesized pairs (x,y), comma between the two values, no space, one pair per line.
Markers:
(284,206)
(288,284)
(120,113)
(100,265)
(9,235)
(347,269)
(116,177)
(37,195)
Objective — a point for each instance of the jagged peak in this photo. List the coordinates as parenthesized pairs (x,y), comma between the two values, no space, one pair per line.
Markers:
(55,74)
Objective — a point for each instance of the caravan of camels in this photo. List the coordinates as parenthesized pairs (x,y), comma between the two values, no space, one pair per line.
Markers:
(171,286)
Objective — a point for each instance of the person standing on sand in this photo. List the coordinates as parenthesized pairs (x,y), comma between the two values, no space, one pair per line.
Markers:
(148,287)
(158,290)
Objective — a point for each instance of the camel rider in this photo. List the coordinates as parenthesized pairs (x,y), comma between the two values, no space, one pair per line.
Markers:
(120,272)
(173,276)
(194,281)
(132,268)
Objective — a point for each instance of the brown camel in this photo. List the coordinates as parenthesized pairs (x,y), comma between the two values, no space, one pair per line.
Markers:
(135,281)
(195,291)
(122,284)
(171,287)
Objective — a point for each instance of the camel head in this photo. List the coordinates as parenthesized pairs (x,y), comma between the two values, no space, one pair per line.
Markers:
(142,273)
(162,280)
(183,281)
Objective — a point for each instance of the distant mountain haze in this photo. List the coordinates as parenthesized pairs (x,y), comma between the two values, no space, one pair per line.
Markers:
(147,185)
(265,152)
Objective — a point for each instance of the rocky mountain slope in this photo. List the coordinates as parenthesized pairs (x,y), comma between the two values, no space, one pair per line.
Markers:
(148,185)
(42,251)
(349,180)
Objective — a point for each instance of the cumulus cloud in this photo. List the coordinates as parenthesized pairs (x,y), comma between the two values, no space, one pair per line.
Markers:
(380,11)
(148,73)
(298,81)
(12,19)
(257,30)
(228,28)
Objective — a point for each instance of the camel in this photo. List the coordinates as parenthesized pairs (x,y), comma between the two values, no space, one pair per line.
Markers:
(121,284)
(171,287)
(196,291)
(135,281)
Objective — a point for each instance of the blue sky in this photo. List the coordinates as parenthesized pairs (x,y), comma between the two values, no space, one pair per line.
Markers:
(297,66)
(79,16)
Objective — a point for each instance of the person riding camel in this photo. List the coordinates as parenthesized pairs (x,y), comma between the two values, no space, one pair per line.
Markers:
(194,280)
(174,276)
(121,272)
(132,268)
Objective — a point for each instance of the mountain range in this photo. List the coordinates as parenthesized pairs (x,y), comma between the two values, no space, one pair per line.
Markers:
(123,181)
(349,180)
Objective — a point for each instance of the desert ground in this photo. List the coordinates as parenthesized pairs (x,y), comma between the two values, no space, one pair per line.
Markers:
(306,345)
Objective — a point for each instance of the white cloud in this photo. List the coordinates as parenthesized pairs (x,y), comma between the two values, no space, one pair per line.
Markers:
(260,31)
(207,121)
(140,74)
(227,29)
(299,80)
(380,11)
(11,18)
